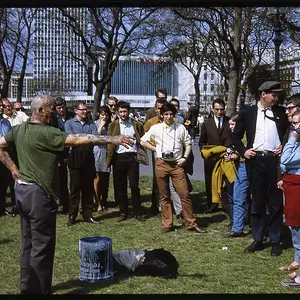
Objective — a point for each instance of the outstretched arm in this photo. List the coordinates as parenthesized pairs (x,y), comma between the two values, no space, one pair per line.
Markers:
(85,139)
(6,159)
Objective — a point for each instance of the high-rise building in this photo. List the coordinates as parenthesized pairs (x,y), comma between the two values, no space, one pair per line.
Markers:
(54,41)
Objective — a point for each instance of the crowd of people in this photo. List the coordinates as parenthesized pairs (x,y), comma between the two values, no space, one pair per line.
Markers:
(251,166)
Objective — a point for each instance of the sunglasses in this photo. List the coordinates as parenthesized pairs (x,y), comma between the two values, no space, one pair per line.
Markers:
(111,105)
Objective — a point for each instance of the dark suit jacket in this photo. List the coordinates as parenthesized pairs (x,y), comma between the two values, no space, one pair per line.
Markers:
(211,136)
(114,129)
(247,123)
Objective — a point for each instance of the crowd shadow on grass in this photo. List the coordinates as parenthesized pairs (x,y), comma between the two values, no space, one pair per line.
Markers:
(205,221)
(77,286)
(6,241)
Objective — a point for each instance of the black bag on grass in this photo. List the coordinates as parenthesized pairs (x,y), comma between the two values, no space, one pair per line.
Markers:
(158,262)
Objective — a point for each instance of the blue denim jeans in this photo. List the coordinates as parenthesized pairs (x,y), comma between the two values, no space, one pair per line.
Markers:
(240,198)
(295,231)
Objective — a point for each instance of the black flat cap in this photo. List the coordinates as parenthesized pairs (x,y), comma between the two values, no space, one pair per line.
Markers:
(270,86)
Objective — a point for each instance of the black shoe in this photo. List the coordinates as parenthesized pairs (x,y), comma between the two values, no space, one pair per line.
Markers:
(122,218)
(234,234)
(179,216)
(71,221)
(213,208)
(91,220)
(255,246)
(276,249)
(198,230)
(10,214)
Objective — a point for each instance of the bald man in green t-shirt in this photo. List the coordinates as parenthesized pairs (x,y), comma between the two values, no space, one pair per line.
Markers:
(38,145)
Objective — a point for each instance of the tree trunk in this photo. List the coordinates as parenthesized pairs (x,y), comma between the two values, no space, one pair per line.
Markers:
(235,65)
(5,85)
(197,91)
(97,98)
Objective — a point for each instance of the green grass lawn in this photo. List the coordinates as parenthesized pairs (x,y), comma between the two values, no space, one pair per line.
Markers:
(203,266)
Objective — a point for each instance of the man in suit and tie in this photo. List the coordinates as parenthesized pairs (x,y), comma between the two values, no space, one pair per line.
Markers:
(265,125)
(215,131)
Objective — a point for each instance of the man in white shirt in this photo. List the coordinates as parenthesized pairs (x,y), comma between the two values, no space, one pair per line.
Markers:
(265,125)
(170,139)
(13,116)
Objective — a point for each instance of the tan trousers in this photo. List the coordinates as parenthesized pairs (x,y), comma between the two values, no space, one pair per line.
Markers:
(163,171)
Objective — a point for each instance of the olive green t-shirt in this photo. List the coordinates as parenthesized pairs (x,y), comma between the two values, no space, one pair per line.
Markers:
(38,146)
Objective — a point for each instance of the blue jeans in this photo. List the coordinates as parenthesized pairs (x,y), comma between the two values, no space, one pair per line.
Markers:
(240,198)
(295,231)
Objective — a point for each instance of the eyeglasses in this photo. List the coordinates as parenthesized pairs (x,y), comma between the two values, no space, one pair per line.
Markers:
(290,108)
(111,105)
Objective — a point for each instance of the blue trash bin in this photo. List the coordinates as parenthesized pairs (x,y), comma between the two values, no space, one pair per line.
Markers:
(95,258)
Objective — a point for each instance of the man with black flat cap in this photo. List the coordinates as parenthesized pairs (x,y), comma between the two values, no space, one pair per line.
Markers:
(265,125)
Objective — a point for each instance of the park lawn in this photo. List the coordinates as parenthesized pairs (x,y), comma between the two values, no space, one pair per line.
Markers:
(204,268)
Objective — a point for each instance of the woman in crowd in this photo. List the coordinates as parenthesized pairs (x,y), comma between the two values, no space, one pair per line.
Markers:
(290,167)
(101,182)
(241,195)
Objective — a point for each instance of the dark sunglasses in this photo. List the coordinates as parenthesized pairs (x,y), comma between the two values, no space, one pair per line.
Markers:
(290,108)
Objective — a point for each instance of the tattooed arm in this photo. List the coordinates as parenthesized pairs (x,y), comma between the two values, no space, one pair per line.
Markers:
(85,139)
(6,159)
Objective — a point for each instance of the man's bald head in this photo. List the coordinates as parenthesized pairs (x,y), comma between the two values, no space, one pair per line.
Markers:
(43,108)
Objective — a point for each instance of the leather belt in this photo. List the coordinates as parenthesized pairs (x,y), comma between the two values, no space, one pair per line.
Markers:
(265,153)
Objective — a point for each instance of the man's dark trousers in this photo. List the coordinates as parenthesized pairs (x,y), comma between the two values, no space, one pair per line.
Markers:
(262,174)
(38,232)
(127,167)
(81,179)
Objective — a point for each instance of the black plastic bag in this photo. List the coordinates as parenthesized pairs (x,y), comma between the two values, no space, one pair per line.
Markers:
(160,263)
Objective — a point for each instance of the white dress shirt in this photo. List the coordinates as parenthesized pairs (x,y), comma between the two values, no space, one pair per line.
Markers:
(217,121)
(17,118)
(168,138)
(266,134)
(126,128)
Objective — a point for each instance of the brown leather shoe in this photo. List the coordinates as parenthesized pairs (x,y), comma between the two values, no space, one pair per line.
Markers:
(198,230)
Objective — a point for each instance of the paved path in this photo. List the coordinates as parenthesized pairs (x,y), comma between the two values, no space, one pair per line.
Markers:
(198,164)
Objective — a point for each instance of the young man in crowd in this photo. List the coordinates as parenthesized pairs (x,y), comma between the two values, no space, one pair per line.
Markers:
(125,161)
(265,125)
(173,146)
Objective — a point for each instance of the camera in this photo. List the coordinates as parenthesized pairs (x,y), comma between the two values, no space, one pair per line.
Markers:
(167,155)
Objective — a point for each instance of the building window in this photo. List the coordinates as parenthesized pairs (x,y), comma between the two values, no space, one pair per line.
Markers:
(212,76)
(205,87)
(205,76)
(212,87)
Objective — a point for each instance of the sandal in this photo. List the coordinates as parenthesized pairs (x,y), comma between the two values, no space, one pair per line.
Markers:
(289,267)
(290,283)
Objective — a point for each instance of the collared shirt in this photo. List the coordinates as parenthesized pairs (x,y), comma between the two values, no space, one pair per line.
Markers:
(266,134)
(217,121)
(179,118)
(18,117)
(168,138)
(126,128)
(74,126)
(5,126)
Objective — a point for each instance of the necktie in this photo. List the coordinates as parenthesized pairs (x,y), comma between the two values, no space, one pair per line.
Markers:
(219,124)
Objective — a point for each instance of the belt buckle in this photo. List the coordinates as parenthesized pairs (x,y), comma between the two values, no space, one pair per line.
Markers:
(265,152)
